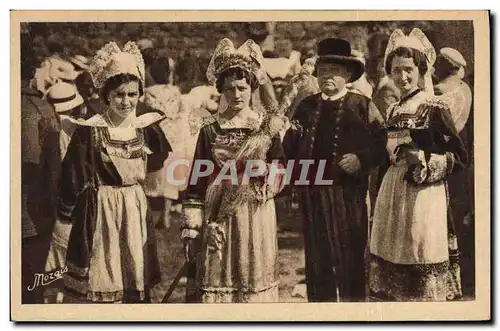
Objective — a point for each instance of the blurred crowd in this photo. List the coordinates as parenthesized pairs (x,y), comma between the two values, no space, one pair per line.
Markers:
(55,77)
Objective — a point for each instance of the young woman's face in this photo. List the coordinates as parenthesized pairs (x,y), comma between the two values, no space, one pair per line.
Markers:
(332,77)
(404,73)
(237,93)
(123,99)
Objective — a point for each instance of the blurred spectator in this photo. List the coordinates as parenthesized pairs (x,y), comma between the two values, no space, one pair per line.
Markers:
(39,175)
(189,73)
(90,95)
(281,70)
(360,86)
(80,62)
(385,92)
(450,87)
(147,49)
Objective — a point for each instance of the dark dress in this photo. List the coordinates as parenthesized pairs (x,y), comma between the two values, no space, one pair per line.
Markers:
(238,256)
(335,216)
(413,244)
(111,253)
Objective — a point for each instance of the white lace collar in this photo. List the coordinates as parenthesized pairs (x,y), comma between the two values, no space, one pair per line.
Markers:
(99,121)
(252,121)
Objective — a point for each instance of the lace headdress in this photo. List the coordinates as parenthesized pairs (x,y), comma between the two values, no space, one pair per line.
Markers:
(110,61)
(415,40)
(247,57)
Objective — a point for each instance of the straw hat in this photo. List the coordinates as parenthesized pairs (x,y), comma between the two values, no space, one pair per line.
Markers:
(80,61)
(64,97)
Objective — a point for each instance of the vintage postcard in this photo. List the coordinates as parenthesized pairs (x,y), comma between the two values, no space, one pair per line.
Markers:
(250,166)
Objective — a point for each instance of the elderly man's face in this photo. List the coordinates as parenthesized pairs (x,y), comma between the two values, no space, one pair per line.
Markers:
(332,77)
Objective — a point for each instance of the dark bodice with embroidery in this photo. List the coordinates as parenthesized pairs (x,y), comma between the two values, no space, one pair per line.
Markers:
(218,145)
(88,161)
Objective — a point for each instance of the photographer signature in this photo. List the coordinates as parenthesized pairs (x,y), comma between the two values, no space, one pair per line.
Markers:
(46,279)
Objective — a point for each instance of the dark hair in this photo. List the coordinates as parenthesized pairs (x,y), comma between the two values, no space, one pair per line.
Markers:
(238,73)
(148,55)
(160,70)
(418,58)
(189,73)
(270,54)
(445,66)
(115,81)
(27,57)
(55,47)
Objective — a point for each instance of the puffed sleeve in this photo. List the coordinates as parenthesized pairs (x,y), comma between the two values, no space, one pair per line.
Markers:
(441,150)
(193,206)
(158,145)
(76,170)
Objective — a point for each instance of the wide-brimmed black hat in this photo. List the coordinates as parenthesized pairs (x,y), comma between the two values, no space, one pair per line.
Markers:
(334,50)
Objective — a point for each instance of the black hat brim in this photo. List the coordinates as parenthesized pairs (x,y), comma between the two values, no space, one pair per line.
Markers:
(355,66)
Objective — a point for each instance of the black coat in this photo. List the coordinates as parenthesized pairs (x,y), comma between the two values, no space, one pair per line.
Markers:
(335,216)
(328,130)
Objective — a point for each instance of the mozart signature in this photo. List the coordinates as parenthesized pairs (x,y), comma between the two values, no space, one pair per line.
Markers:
(48,278)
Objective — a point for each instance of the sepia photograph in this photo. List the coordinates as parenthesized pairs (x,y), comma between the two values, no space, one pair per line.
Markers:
(316,165)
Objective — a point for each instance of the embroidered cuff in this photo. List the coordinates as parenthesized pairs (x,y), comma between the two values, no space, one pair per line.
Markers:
(189,234)
(437,167)
(192,211)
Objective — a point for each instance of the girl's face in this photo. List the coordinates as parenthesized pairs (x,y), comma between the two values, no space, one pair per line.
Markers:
(404,73)
(123,99)
(332,77)
(237,93)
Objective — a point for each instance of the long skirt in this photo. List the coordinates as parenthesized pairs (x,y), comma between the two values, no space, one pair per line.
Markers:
(336,230)
(411,245)
(237,261)
(120,263)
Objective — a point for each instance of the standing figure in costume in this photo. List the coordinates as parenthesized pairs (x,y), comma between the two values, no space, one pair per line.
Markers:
(68,104)
(40,165)
(235,223)
(345,132)
(413,248)
(111,254)
(450,88)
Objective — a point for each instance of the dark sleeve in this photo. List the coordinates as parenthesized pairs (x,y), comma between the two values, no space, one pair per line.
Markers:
(443,151)
(276,151)
(442,138)
(294,133)
(159,146)
(374,152)
(76,170)
(203,152)
(451,141)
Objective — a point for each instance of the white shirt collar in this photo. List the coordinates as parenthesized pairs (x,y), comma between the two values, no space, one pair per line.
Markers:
(337,96)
